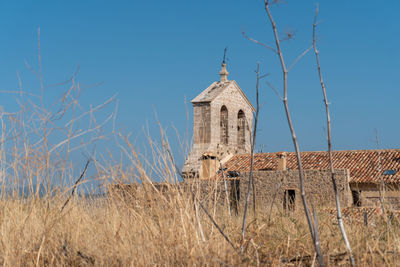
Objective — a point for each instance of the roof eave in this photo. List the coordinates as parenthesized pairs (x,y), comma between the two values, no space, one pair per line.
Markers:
(199,96)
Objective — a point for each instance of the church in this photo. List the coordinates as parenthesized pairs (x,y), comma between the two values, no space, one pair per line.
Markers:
(222,130)
(222,126)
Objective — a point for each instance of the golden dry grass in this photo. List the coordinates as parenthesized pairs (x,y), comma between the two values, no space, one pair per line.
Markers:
(154,230)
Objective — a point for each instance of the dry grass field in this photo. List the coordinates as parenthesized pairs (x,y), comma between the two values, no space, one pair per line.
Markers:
(170,231)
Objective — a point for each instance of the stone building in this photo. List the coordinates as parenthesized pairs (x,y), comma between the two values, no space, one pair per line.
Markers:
(362,176)
(222,123)
(222,126)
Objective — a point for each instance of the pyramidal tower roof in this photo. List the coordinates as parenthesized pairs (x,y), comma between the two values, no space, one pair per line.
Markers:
(216,88)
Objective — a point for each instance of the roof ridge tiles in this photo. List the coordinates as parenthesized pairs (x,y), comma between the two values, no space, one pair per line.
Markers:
(362,164)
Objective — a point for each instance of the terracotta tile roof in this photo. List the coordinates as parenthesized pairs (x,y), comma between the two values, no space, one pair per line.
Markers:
(365,166)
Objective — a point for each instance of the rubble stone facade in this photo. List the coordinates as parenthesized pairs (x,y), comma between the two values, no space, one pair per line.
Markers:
(279,188)
(374,174)
(284,187)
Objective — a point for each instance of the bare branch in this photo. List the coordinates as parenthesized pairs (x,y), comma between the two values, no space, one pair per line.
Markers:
(66,81)
(98,107)
(17,92)
(274,89)
(258,42)
(300,57)
(31,69)
(79,134)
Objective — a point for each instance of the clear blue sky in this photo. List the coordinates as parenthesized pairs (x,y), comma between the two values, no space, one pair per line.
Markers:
(154,54)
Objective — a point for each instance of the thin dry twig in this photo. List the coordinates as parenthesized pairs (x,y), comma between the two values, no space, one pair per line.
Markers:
(273,201)
(253,140)
(381,182)
(275,91)
(76,184)
(300,57)
(328,122)
(228,204)
(258,42)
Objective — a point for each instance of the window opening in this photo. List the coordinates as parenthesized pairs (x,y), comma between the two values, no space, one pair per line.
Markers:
(241,127)
(235,194)
(356,198)
(289,199)
(233,174)
(224,125)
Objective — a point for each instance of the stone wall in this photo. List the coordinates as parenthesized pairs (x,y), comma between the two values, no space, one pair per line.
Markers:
(211,193)
(201,138)
(272,185)
(317,183)
(207,191)
(270,188)
(369,195)
(201,123)
(233,100)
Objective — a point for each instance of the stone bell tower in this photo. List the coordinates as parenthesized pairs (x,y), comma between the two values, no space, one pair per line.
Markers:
(222,125)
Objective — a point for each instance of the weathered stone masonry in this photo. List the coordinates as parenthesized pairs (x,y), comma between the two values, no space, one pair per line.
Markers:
(222,124)
(275,186)
(317,184)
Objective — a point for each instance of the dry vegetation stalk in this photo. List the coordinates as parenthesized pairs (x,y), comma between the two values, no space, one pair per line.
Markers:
(380,170)
(228,204)
(75,185)
(251,182)
(328,123)
(285,71)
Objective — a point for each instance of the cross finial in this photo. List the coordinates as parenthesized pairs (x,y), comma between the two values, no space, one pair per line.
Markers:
(223,60)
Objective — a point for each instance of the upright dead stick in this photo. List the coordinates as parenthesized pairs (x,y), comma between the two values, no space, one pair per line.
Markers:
(328,122)
(381,183)
(251,182)
(199,222)
(226,189)
(294,138)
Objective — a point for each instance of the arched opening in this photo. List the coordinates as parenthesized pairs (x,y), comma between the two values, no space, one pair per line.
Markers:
(241,127)
(223,124)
